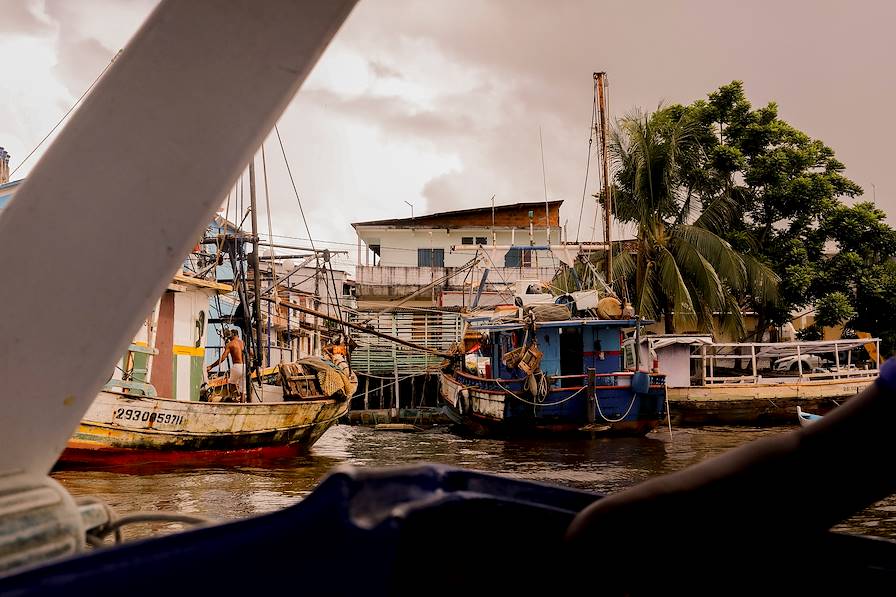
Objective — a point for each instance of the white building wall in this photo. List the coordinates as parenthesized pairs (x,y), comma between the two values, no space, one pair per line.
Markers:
(398,246)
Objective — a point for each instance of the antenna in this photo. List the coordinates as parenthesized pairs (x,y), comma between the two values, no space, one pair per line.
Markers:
(544,178)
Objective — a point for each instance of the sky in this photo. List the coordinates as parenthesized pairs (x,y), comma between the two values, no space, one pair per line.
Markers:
(445,104)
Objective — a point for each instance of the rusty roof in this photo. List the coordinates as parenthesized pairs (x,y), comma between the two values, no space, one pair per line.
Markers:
(447,219)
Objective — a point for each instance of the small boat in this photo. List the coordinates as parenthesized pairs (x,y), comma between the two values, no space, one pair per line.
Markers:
(537,369)
(805,418)
(397,427)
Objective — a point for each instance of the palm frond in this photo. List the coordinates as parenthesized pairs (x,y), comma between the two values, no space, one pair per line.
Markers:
(762,281)
(677,290)
(700,272)
(647,307)
(727,263)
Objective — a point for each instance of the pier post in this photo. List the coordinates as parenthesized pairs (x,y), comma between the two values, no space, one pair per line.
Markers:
(366,391)
(753,359)
(837,360)
(703,364)
(591,394)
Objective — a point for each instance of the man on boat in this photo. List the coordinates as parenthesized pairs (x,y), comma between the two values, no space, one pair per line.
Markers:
(234,349)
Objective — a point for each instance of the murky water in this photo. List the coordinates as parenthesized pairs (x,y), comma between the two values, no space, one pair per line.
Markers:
(602,465)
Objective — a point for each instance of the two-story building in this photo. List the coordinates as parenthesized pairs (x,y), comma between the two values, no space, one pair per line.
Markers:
(398,257)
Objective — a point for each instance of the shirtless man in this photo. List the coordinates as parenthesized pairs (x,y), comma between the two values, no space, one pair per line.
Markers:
(234,349)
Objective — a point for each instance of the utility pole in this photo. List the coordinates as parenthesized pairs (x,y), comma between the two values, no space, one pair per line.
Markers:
(603,133)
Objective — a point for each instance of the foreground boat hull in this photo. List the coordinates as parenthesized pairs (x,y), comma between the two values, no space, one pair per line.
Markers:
(485,407)
(380,519)
(122,426)
(771,404)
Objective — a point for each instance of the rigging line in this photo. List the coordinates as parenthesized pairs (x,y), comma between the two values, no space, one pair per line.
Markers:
(600,174)
(468,265)
(544,179)
(294,188)
(587,163)
(337,242)
(267,202)
(64,116)
(302,211)
(504,292)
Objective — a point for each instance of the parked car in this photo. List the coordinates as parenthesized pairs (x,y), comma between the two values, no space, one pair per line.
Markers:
(811,362)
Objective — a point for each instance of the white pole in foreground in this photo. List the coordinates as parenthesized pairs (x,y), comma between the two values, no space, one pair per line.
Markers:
(142,165)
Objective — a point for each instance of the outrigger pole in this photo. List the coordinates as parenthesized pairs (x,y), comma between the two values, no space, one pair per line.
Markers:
(362,328)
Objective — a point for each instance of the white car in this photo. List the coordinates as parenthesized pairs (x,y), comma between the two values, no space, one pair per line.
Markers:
(810,363)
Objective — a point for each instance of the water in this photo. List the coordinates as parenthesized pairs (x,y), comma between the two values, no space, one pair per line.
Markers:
(601,465)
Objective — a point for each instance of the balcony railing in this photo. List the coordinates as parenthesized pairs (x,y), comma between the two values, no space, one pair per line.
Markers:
(404,276)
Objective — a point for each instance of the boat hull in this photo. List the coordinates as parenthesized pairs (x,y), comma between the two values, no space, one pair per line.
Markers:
(484,407)
(757,405)
(119,426)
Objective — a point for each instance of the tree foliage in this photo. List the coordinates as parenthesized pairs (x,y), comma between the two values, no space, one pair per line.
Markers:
(786,195)
(683,271)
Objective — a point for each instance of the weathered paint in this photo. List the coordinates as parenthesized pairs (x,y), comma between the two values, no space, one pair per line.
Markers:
(117,421)
(489,408)
(752,404)
(197,376)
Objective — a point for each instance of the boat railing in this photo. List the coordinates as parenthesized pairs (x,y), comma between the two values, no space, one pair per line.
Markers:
(603,380)
(783,362)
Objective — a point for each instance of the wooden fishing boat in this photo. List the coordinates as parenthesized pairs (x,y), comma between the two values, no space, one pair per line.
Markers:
(550,376)
(122,427)
(196,419)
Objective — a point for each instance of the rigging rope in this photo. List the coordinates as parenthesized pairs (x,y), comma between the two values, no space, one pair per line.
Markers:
(308,230)
(588,162)
(64,116)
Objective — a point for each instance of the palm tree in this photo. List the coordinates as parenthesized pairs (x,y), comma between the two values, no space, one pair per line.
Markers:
(683,270)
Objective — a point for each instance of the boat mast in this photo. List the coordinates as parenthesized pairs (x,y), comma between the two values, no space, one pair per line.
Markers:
(256,273)
(603,133)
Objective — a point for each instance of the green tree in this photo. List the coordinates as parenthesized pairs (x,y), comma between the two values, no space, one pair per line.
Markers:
(783,185)
(683,271)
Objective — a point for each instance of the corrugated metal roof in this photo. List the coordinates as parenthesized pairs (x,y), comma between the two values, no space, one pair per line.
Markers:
(421,221)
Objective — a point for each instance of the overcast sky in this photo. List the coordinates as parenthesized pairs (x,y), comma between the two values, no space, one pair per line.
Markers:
(440,103)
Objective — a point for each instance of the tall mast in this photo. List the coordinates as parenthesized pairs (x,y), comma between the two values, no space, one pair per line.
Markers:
(255,269)
(603,133)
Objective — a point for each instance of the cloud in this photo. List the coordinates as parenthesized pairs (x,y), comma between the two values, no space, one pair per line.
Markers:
(21,18)
(440,103)
(384,71)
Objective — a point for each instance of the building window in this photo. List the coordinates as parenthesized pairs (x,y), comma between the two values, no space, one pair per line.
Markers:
(481,240)
(431,257)
(466,240)
(518,258)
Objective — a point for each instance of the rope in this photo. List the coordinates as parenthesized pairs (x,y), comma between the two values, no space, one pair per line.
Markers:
(95,537)
(542,404)
(587,163)
(64,116)
(605,417)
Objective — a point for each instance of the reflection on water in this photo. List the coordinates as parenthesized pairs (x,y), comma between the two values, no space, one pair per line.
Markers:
(601,465)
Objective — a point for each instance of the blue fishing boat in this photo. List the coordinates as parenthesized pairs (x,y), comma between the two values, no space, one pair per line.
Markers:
(569,375)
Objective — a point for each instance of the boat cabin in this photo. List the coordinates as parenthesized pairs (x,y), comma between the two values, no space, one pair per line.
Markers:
(568,348)
(167,355)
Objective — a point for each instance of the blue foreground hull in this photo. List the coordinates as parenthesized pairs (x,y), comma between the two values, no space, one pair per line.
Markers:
(434,530)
